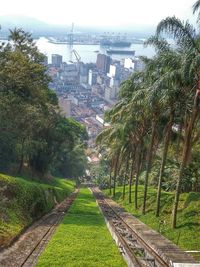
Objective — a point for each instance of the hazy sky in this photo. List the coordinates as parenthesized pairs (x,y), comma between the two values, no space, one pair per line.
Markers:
(99,12)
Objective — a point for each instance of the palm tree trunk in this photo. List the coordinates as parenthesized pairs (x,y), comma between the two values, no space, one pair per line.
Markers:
(164,157)
(185,156)
(110,181)
(149,160)
(125,177)
(179,139)
(130,181)
(138,165)
(115,174)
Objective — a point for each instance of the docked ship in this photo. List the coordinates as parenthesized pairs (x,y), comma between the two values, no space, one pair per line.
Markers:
(120,52)
(56,41)
(115,43)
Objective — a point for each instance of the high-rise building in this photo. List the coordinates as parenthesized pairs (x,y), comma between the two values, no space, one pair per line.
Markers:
(114,82)
(56,60)
(138,65)
(92,77)
(103,63)
(129,63)
(110,93)
(83,73)
(114,71)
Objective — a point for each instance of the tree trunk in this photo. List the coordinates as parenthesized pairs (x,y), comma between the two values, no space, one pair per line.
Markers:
(186,150)
(163,161)
(179,140)
(125,178)
(21,164)
(149,160)
(110,180)
(130,181)
(115,173)
(138,165)
(124,187)
(21,159)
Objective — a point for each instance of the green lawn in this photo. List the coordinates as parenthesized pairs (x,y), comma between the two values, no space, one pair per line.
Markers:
(187,234)
(82,239)
(24,200)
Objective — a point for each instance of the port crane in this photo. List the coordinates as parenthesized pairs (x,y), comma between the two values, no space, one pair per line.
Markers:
(73,51)
(77,56)
(71,35)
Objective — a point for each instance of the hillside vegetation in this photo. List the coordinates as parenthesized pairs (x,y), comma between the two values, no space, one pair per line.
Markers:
(23,201)
(153,132)
(34,135)
(187,234)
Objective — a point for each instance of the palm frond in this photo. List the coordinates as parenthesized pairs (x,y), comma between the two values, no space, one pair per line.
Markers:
(196,6)
(183,32)
(160,44)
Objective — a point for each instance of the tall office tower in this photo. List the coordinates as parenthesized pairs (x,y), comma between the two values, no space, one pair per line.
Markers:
(92,77)
(103,63)
(56,60)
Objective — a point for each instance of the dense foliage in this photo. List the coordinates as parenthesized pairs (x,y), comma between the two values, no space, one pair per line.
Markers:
(187,234)
(33,134)
(24,200)
(154,128)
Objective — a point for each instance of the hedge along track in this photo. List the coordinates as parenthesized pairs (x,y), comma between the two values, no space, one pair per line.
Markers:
(139,245)
(30,245)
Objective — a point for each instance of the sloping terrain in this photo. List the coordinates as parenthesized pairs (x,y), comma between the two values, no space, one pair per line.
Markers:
(24,201)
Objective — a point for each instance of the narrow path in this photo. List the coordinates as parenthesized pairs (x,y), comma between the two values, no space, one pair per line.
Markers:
(25,251)
(82,239)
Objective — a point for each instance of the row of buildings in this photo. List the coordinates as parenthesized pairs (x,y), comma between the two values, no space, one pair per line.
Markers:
(86,91)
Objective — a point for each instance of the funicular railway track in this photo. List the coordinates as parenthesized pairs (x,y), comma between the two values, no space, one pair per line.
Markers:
(34,253)
(140,245)
(25,251)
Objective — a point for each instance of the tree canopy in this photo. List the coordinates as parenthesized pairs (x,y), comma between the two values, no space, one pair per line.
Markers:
(33,133)
(154,126)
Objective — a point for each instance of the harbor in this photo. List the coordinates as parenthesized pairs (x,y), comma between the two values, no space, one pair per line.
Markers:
(88,52)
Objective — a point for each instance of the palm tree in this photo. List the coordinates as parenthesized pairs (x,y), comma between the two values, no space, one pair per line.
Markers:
(196,8)
(113,141)
(125,177)
(169,84)
(188,44)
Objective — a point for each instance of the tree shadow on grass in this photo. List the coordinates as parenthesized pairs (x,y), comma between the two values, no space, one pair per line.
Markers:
(118,195)
(192,196)
(191,213)
(189,225)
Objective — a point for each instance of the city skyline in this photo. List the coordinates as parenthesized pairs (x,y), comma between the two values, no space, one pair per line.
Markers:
(100,14)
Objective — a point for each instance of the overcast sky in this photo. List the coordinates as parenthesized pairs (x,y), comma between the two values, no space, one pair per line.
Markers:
(99,13)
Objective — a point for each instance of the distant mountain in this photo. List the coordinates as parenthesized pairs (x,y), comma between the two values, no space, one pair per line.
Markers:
(21,21)
(34,26)
(39,28)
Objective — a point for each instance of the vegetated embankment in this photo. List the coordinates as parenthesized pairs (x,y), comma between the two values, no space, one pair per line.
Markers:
(187,233)
(24,201)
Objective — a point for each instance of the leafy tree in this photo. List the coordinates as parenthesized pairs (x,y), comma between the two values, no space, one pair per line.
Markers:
(32,131)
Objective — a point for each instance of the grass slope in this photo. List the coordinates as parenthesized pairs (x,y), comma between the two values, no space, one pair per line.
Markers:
(82,239)
(187,234)
(23,201)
